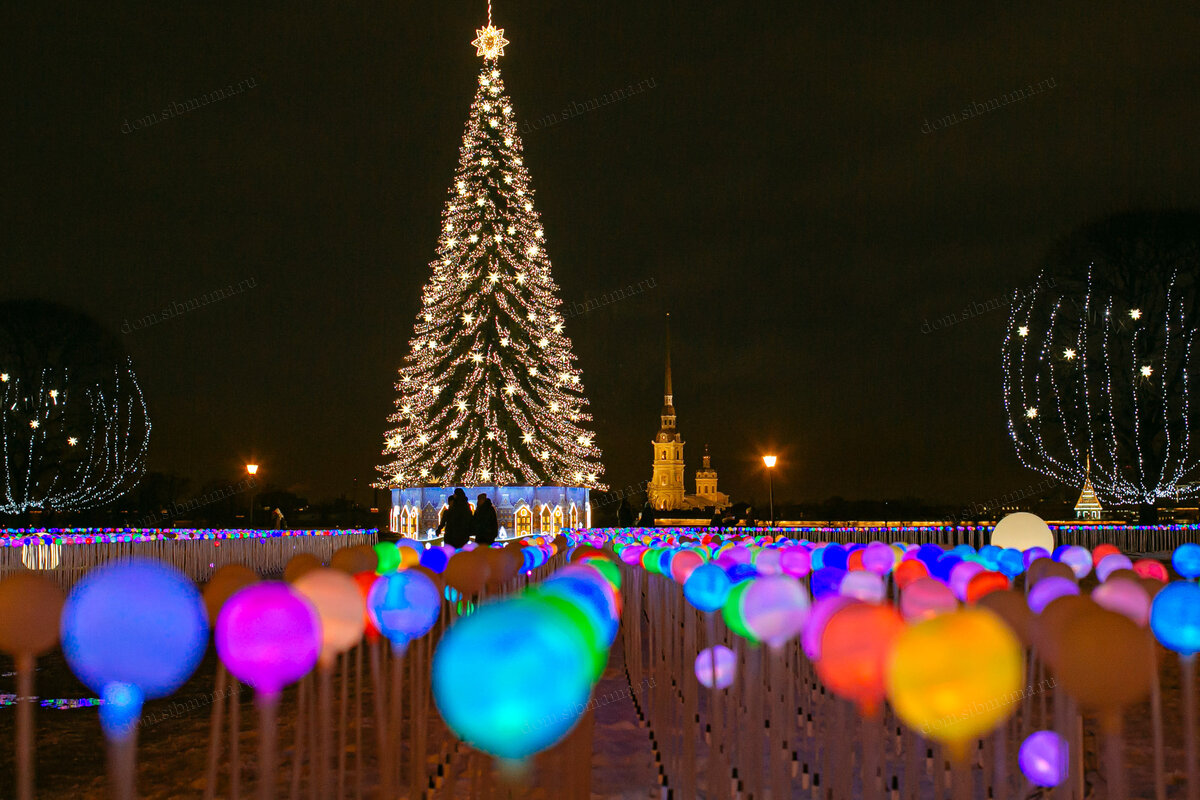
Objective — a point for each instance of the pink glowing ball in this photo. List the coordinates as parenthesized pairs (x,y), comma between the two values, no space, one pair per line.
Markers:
(796,561)
(960,577)
(268,636)
(775,608)
(726,667)
(1049,589)
(684,563)
(863,585)
(818,618)
(1124,596)
(879,558)
(1111,563)
(926,598)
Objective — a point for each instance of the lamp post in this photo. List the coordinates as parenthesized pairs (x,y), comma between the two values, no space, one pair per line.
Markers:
(770,462)
(253,470)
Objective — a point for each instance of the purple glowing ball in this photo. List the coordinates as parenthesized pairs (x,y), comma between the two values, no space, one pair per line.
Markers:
(268,636)
(1044,758)
(1111,563)
(775,609)
(726,667)
(878,558)
(1049,589)
(796,561)
(1078,559)
(960,577)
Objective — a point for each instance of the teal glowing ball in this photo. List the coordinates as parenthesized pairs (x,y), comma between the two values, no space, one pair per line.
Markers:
(513,678)
(138,622)
(707,587)
(1175,617)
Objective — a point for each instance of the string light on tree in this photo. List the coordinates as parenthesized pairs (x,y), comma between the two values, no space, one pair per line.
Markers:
(74,430)
(1119,300)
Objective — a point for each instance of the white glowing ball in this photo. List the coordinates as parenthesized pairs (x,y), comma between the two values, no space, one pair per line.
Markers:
(1022,531)
(41,556)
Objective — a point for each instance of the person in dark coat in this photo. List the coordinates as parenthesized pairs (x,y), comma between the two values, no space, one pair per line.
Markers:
(484,526)
(646,520)
(624,514)
(457,520)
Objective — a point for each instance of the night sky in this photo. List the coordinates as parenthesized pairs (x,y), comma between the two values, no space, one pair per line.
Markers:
(774,185)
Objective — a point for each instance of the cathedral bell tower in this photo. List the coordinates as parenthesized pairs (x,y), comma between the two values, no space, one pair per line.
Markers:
(666,484)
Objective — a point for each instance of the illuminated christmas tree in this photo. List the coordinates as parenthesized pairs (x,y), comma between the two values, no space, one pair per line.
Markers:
(1097,360)
(489,394)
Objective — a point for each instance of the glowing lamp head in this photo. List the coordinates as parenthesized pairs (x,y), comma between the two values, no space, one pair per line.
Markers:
(252,469)
(769,461)
(139,622)
(268,635)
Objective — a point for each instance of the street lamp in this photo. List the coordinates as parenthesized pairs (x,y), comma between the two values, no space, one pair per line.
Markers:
(770,462)
(253,470)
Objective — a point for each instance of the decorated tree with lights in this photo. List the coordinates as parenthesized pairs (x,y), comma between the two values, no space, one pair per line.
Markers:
(489,393)
(74,430)
(1098,360)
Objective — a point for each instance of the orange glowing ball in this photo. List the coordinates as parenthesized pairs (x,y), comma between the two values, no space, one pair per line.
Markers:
(854,652)
(985,583)
(1103,550)
(854,562)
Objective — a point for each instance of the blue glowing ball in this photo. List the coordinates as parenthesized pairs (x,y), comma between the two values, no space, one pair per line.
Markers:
(826,582)
(742,572)
(707,587)
(990,555)
(942,568)
(930,553)
(514,717)
(834,555)
(138,622)
(1186,560)
(1175,617)
(403,605)
(664,560)
(435,559)
(1011,562)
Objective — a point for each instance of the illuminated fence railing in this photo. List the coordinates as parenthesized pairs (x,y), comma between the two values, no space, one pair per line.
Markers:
(1129,538)
(66,553)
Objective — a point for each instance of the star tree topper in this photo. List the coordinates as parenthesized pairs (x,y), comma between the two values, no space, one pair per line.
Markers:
(490,41)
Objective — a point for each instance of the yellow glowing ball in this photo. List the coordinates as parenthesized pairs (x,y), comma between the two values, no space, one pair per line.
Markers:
(956,676)
(1022,531)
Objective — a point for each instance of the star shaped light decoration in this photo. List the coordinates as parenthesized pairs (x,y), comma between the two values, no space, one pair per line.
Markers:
(490,41)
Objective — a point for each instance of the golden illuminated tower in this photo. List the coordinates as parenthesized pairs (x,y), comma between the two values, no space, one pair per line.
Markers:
(666,484)
(706,477)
